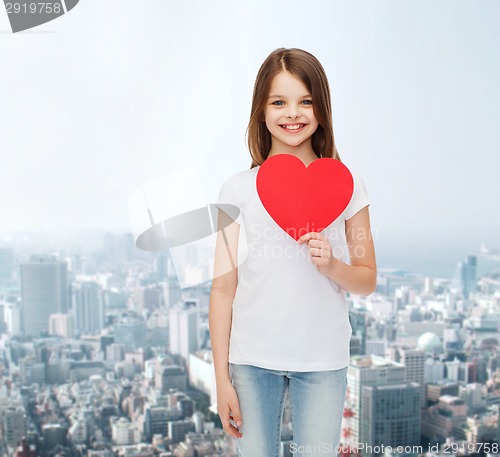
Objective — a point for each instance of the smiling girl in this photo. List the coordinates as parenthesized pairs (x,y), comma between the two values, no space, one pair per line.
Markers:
(279,321)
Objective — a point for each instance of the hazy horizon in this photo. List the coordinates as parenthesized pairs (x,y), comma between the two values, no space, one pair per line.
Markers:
(438,260)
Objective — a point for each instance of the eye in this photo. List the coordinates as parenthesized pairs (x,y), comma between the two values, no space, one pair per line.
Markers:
(277,101)
(308,102)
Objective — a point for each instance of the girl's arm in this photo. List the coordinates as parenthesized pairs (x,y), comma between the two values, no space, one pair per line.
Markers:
(224,285)
(360,277)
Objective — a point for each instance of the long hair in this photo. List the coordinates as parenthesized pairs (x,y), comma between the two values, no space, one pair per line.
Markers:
(309,70)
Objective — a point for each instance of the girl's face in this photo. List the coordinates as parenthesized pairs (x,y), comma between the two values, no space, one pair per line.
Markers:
(289,111)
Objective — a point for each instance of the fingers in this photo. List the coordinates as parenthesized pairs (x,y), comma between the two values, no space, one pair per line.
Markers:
(236,415)
(319,246)
(232,430)
(225,418)
(310,236)
(316,252)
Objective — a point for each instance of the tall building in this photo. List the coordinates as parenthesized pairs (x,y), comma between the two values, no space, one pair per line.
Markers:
(357,317)
(12,315)
(177,430)
(433,370)
(414,361)
(172,292)
(155,421)
(44,291)
(88,304)
(366,370)
(184,329)
(131,332)
(14,425)
(465,277)
(164,266)
(202,375)
(54,435)
(171,286)
(123,432)
(31,371)
(148,298)
(390,416)
(453,369)
(470,279)
(170,377)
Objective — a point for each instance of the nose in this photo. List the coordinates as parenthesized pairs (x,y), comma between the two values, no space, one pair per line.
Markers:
(292,112)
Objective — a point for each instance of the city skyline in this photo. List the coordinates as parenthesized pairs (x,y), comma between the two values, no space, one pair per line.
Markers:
(420,350)
(440,261)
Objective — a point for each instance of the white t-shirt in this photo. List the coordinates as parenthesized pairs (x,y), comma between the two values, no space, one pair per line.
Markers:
(286,314)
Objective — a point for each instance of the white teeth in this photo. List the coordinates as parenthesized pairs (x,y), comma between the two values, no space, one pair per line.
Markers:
(293,127)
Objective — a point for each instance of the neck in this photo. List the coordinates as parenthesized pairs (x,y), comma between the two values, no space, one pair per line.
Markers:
(304,152)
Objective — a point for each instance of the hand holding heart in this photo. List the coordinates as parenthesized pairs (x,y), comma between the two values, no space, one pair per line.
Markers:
(306,200)
(320,250)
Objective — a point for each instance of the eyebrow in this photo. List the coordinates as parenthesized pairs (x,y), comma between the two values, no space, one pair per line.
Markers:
(282,96)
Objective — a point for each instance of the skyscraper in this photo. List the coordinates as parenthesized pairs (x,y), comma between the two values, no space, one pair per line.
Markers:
(131,332)
(357,317)
(14,424)
(465,277)
(89,308)
(414,361)
(44,291)
(390,416)
(12,315)
(367,370)
(470,279)
(183,321)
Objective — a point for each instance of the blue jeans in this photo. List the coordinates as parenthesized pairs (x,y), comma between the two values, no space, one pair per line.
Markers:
(317,403)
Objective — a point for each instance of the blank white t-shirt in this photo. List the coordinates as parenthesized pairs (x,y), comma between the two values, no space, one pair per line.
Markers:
(286,314)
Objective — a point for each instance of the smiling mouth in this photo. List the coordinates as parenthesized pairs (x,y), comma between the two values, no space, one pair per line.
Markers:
(292,126)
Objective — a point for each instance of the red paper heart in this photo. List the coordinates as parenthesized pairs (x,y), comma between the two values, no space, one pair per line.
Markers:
(300,199)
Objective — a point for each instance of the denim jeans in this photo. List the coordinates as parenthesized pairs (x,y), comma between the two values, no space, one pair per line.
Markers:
(317,403)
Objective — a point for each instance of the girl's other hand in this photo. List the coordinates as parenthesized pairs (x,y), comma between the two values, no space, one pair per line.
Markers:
(228,408)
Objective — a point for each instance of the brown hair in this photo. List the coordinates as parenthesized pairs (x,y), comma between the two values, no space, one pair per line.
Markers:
(309,70)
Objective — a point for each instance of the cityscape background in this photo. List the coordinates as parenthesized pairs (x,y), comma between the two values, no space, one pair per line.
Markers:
(103,354)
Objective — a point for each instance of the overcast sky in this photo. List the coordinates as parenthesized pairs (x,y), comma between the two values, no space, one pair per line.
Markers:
(122,93)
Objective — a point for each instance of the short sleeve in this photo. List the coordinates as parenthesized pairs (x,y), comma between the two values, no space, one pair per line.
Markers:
(359,197)
(227,192)
(228,198)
